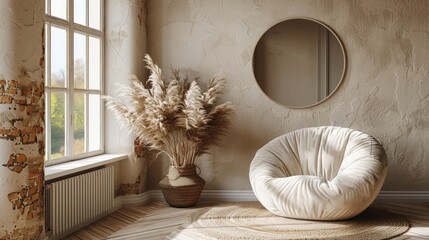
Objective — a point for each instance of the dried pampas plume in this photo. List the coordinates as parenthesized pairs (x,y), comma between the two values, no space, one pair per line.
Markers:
(176,118)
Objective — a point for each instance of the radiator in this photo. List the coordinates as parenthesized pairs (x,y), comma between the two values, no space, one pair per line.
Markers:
(75,201)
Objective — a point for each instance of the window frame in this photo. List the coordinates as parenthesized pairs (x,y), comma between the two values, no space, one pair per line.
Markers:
(71,28)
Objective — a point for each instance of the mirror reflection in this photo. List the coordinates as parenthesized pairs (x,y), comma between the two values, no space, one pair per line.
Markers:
(299,62)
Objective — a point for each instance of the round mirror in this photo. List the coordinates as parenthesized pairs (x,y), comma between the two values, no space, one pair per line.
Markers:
(299,62)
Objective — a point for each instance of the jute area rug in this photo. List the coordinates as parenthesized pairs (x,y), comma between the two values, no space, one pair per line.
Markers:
(250,220)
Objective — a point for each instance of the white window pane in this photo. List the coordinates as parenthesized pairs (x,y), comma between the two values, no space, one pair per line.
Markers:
(47,135)
(47,53)
(80,11)
(58,123)
(94,123)
(59,8)
(94,14)
(79,61)
(58,57)
(73,66)
(79,123)
(94,63)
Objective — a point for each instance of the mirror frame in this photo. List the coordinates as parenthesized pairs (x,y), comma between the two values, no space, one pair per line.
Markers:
(342,74)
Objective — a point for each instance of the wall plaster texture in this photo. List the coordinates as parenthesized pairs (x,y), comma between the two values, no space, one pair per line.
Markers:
(385,91)
(125,46)
(21,119)
(22,108)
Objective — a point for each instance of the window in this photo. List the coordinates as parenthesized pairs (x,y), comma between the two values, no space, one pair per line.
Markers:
(74,79)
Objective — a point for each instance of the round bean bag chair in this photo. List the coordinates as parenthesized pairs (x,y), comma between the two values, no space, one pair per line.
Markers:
(320,173)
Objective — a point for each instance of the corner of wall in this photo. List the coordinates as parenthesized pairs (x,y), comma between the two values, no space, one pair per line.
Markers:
(125,47)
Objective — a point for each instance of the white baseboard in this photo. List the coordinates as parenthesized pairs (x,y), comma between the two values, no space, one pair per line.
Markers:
(228,195)
(213,195)
(156,195)
(248,195)
(407,196)
(132,200)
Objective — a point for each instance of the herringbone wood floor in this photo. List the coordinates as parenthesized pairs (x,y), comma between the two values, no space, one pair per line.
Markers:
(157,220)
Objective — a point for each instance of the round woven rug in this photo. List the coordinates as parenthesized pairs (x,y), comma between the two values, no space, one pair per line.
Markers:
(250,220)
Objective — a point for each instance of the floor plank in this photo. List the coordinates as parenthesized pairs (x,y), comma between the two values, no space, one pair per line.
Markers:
(157,220)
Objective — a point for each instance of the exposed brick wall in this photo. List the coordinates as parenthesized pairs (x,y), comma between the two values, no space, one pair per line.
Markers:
(129,188)
(17,162)
(22,233)
(22,126)
(138,185)
(22,119)
(139,150)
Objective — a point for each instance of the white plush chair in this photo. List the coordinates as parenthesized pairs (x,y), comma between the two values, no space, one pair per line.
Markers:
(320,173)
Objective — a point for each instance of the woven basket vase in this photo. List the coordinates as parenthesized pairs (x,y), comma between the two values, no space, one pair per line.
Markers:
(182,186)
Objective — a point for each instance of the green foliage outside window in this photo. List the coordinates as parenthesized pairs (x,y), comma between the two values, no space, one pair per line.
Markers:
(58,102)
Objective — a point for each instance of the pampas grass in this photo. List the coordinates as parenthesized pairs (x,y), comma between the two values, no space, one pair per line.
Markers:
(176,118)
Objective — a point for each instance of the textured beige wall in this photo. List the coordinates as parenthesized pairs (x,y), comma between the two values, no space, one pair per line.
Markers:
(125,46)
(385,92)
(21,119)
